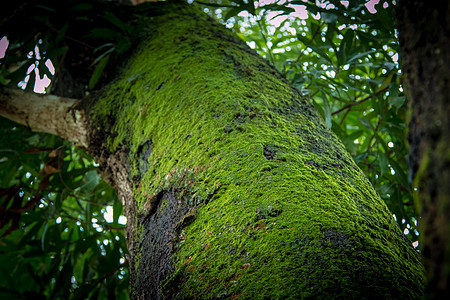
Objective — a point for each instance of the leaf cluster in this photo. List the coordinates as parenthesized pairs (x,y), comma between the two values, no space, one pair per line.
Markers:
(55,240)
(83,39)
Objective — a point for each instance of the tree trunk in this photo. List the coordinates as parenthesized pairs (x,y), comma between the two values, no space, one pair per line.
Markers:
(424,32)
(232,185)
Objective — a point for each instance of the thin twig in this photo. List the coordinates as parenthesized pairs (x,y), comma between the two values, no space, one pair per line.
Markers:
(69,37)
(312,39)
(359,102)
(272,61)
(345,116)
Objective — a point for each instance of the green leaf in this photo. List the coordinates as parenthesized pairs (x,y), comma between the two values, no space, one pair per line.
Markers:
(330,34)
(345,47)
(90,180)
(123,45)
(277,7)
(383,162)
(19,74)
(3,80)
(98,71)
(327,110)
(366,123)
(105,33)
(360,157)
(56,52)
(115,20)
(314,48)
(44,234)
(213,4)
(47,8)
(233,12)
(385,16)
(81,7)
(397,101)
(400,175)
(31,81)
(351,58)
(117,210)
(61,33)
(329,17)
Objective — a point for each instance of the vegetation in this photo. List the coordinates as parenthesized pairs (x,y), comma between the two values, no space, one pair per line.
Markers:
(342,58)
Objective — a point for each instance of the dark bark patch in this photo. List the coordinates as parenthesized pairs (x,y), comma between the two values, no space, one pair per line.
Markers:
(143,154)
(270,151)
(228,129)
(155,264)
(269,211)
(313,163)
(336,239)
(160,86)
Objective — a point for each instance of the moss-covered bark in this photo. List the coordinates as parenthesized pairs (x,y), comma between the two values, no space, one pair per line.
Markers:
(240,190)
(424,32)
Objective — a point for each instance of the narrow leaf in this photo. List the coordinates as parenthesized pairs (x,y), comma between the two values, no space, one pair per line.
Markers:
(98,71)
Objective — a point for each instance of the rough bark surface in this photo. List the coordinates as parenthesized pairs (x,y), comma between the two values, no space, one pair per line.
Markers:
(46,113)
(424,32)
(239,189)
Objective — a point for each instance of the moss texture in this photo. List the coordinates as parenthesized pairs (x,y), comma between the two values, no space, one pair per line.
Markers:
(278,209)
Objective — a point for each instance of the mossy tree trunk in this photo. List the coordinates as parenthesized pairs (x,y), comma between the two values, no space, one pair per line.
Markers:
(232,184)
(235,187)
(424,32)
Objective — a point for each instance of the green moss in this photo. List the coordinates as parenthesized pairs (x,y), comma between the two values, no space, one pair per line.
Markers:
(138,237)
(163,206)
(281,208)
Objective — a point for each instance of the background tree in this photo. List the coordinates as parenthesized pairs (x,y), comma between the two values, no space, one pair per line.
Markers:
(324,89)
(425,45)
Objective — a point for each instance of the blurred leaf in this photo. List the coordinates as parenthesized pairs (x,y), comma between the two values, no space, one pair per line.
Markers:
(345,47)
(123,45)
(366,123)
(353,57)
(329,17)
(105,33)
(98,71)
(277,7)
(383,162)
(81,7)
(327,110)
(233,12)
(115,20)
(385,16)
(56,52)
(314,48)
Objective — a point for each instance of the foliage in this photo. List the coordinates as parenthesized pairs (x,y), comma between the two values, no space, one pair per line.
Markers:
(87,37)
(64,246)
(342,58)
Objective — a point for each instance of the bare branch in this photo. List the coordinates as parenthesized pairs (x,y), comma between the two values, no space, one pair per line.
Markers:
(45,113)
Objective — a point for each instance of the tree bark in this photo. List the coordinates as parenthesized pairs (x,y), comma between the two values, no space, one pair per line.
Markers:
(239,188)
(424,32)
(46,113)
(232,185)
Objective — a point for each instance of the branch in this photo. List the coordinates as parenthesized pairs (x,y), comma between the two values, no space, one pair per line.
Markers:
(45,113)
